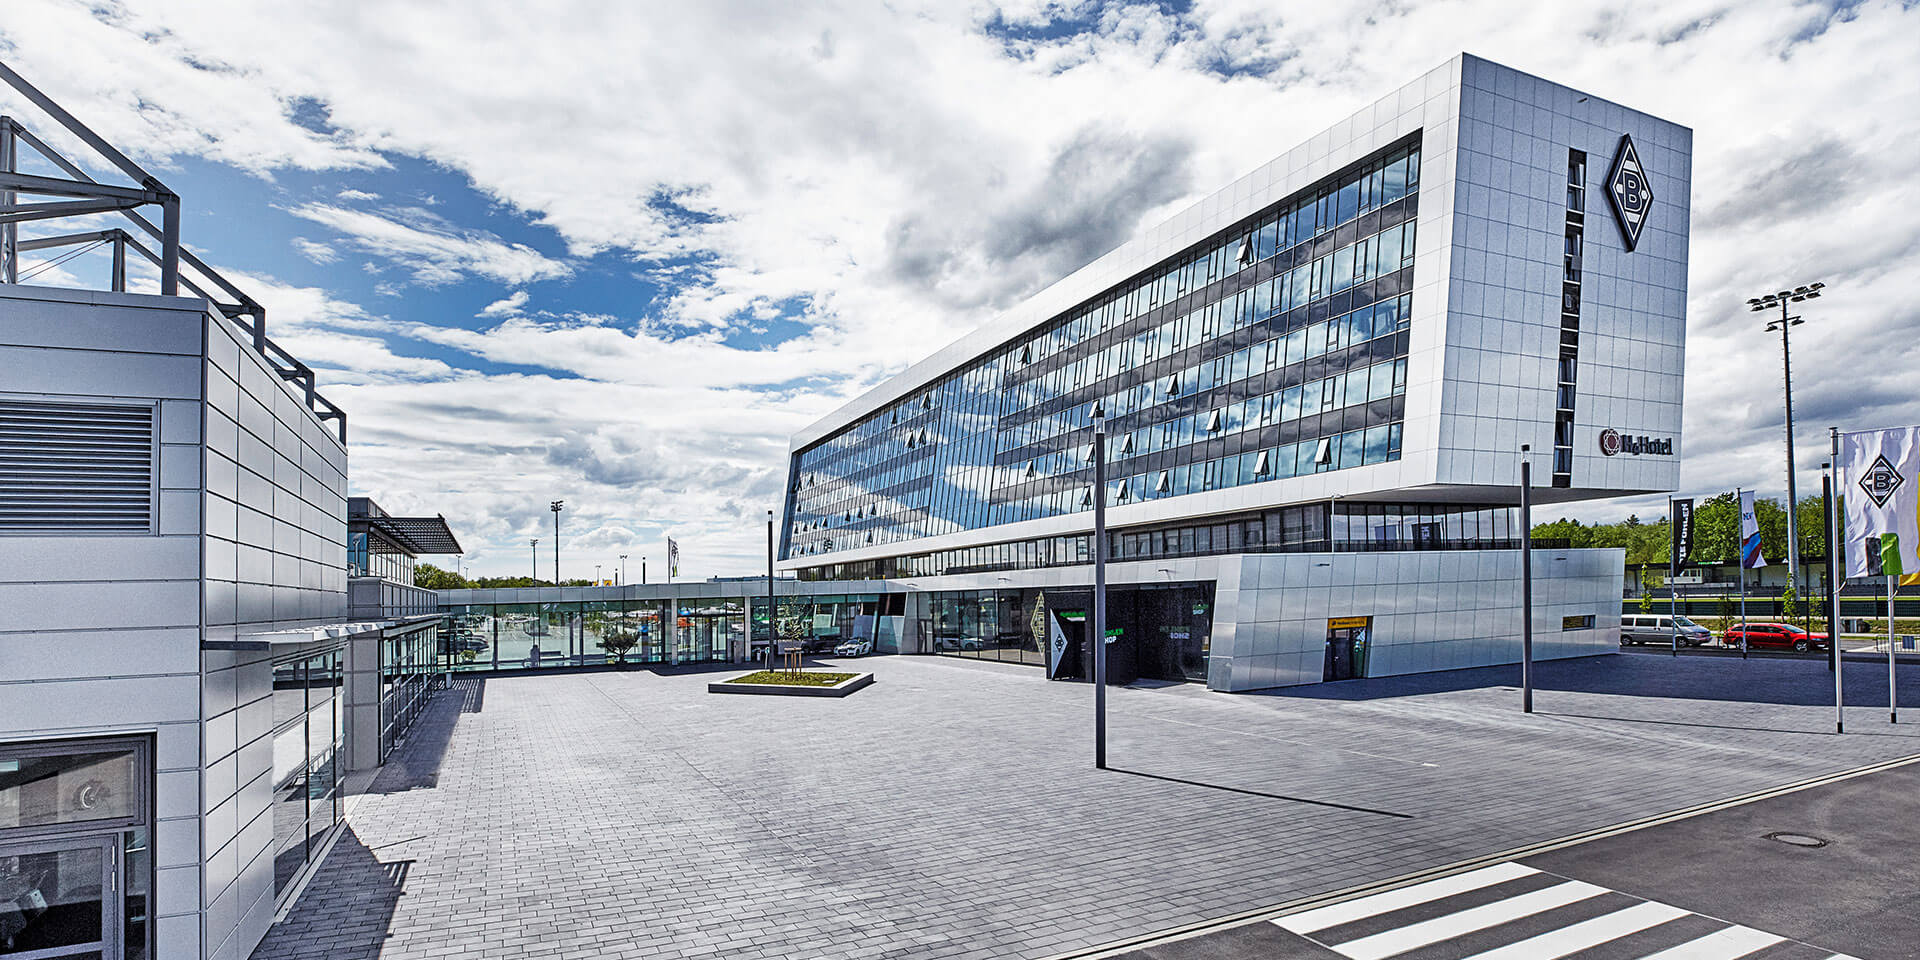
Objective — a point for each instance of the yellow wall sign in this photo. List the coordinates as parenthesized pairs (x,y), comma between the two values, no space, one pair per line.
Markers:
(1348,623)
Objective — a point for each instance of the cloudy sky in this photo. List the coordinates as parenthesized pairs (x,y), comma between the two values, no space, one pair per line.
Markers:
(617,253)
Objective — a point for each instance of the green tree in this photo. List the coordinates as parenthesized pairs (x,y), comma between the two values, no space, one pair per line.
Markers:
(430,577)
(619,641)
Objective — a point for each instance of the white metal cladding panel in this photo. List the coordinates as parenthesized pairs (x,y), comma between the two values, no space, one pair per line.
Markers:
(1503,320)
(76,467)
(275,504)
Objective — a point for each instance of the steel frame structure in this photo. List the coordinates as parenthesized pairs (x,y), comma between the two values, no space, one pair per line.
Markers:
(79,195)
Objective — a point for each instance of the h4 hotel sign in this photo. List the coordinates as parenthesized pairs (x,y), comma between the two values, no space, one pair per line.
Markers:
(1614,443)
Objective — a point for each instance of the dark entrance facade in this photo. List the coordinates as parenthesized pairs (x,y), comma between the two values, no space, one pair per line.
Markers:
(75,861)
(1347,639)
(1158,631)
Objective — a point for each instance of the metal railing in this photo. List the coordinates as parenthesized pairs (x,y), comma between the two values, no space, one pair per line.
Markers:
(79,195)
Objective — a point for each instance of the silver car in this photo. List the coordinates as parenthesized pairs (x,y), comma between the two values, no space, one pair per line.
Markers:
(1660,629)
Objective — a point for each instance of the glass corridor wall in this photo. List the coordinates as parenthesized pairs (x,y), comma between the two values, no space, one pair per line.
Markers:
(531,636)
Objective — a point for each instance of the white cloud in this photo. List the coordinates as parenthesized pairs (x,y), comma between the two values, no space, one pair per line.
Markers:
(437,252)
(351,194)
(905,174)
(432,248)
(319,253)
(506,306)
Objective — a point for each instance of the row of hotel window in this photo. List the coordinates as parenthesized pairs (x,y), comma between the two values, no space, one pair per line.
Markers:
(1364,188)
(1299,528)
(1369,445)
(1379,381)
(1310,342)
(1369,259)
(870,494)
(1389,251)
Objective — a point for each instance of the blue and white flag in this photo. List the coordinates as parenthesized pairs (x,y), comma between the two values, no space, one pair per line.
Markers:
(1750,555)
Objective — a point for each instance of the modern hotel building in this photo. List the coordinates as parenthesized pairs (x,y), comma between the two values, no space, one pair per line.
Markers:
(1319,383)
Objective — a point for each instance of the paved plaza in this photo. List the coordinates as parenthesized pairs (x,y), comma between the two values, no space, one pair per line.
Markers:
(951,809)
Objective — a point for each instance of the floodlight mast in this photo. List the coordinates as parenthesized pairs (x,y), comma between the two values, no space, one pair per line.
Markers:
(1764,304)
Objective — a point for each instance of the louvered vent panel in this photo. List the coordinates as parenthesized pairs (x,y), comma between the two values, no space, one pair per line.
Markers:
(75,468)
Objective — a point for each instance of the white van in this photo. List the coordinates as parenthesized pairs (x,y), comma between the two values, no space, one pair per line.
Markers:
(1659,629)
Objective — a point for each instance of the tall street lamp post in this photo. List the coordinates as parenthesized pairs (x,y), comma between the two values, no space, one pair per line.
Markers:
(535,544)
(556,507)
(1099,587)
(1761,305)
(1526,580)
(622,576)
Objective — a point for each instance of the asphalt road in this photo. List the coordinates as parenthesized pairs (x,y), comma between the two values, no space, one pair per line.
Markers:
(1717,885)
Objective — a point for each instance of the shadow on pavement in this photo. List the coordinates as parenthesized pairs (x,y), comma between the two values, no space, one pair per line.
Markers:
(1784,682)
(354,930)
(1259,793)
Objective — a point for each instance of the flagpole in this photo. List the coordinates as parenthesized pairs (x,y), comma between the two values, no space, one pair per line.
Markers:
(1740,567)
(1893,704)
(1832,483)
(1673,592)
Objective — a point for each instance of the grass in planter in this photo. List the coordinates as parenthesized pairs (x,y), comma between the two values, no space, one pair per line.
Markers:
(782,678)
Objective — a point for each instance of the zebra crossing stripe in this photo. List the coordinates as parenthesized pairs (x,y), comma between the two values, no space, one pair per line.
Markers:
(1336,914)
(1729,944)
(1382,945)
(1587,933)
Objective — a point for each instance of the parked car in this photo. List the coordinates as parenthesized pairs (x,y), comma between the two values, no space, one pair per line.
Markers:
(1659,628)
(959,643)
(854,648)
(1778,635)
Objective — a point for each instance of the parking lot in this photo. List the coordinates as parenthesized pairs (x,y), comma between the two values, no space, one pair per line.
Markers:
(951,809)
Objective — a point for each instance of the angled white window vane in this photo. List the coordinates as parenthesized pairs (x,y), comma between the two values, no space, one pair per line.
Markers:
(1126,443)
(1245,255)
(1121,494)
(1086,496)
(1323,454)
(1263,465)
(1213,421)
(1173,385)
(1031,472)
(1164,484)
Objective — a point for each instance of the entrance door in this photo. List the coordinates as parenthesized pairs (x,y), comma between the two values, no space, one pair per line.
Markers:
(58,898)
(1346,653)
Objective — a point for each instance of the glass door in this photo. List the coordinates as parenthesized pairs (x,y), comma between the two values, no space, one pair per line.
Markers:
(58,898)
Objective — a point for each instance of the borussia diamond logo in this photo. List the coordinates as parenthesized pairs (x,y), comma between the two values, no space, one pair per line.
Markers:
(1880,481)
(1630,192)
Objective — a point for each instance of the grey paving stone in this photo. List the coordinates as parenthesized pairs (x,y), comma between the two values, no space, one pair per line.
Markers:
(951,810)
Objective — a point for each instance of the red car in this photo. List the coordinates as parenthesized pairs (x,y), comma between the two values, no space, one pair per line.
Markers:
(1761,635)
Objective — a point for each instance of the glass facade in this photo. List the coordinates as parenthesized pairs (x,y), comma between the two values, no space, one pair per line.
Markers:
(1159,631)
(1274,348)
(1310,527)
(369,555)
(529,636)
(308,734)
(407,663)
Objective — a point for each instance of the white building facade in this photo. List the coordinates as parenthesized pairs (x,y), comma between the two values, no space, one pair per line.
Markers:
(1318,384)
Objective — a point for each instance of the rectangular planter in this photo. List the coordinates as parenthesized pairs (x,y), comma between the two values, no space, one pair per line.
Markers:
(840,689)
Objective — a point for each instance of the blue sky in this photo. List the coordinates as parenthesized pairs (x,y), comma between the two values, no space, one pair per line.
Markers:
(618,254)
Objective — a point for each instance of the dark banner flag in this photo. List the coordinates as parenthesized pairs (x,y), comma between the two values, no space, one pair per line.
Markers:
(1682,521)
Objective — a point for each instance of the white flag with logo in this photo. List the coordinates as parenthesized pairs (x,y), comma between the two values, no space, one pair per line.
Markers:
(1750,555)
(1880,486)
